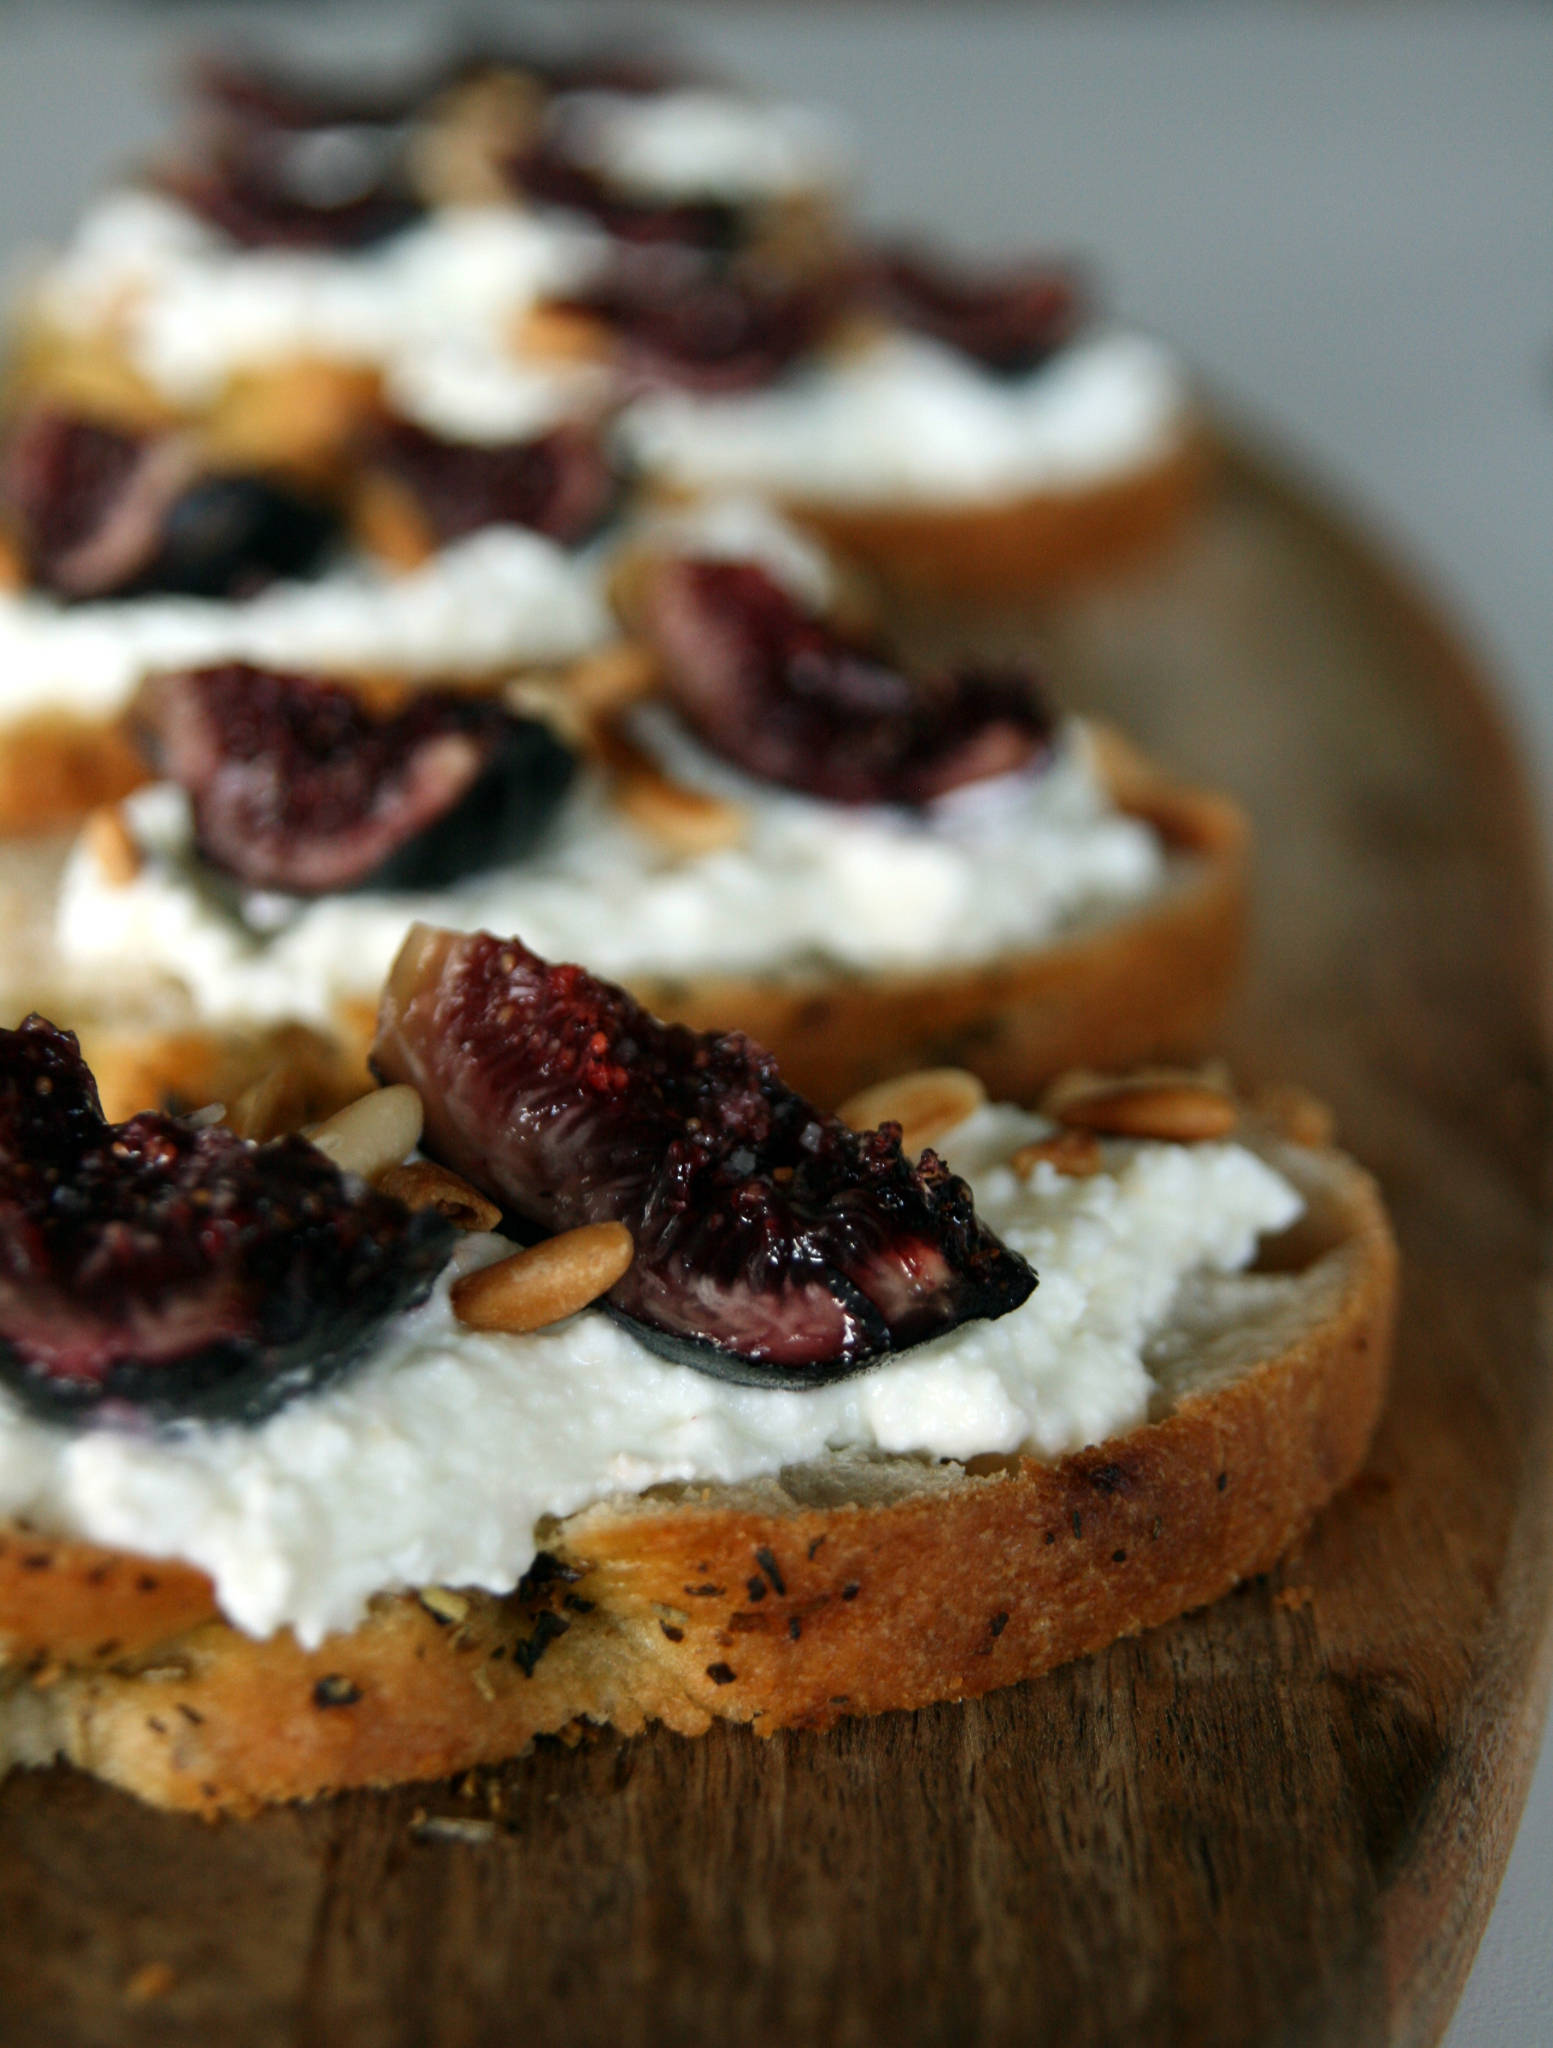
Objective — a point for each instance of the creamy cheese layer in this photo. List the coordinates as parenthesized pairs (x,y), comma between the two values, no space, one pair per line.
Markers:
(905,420)
(697,144)
(434,1461)
(190,308)
(998,867)
(502,597)
(466,390)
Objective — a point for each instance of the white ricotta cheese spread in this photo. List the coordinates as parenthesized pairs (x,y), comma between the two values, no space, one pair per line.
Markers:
(190,308)
(502,597)
(433,1462)
(695,144)
(997,867)
(464,391)
(905,420)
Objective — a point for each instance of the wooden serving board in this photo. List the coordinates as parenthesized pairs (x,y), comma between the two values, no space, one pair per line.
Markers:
(1278,1821)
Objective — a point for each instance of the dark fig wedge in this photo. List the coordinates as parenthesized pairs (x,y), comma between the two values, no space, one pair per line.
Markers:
(296,785)
(283,191)
(228,536)
(787,697)
(708,328)
(162,1269)
(65,482)
(1008,320)
(773,1244)
(549,176)
(560,484)
(281,161)
(106,513)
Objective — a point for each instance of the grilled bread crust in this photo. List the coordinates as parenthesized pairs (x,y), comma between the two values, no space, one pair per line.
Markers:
(851,1585)
(1021,546)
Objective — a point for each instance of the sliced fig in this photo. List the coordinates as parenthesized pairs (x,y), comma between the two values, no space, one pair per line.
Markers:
(227,536)
(1009,320)
(707,326)
(165,1269)
(560,484)
(102,512)
(282,162)
(296,785)
(270,195)
(773,1244)
(788,697)
(63,481)
(550,176)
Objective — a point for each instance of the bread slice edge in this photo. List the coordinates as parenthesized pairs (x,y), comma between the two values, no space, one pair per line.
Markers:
(851,1586)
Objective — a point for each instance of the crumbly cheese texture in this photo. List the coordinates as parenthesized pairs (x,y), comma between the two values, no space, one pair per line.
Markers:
(814,887)
(467,389)
(191,309)
(905,420)
(500,598)
(697,144)
(434,1461)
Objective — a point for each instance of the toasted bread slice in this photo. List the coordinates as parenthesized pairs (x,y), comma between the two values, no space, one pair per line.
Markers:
(1020,547)
(846,1586)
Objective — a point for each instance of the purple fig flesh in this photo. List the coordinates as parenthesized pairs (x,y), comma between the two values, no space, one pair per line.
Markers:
(773,1245)
(297,786)
(789,698)
(167,1269)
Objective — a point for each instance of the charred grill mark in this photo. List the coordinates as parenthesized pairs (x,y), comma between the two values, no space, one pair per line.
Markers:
(548,1628)
(335,1690)
(768,1564)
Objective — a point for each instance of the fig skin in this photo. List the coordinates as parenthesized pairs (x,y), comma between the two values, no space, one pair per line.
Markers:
(693,318)
(161,1269)
(791,699)
(104,513)
(560,484)
(1010,319)
(278,161)
(774,1246)
(296,786)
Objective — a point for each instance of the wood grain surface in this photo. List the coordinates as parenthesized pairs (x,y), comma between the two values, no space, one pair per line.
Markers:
(1278,1821)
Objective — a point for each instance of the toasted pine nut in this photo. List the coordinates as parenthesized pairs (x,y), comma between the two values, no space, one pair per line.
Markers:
(444,1603)
(423,1184)
(373,1132)
(457,155)
(925,1104)
(558,335)
(273,1104)
(546,1282)
(301,415)
(388,523)
(1075,1155)
(685,821)
(112,846)
(608,681)
(1177,1109)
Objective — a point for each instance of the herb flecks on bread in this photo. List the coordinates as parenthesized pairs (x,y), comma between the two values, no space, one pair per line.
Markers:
(848,1583)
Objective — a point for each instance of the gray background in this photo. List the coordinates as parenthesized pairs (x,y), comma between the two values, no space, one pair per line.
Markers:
(1344,215)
